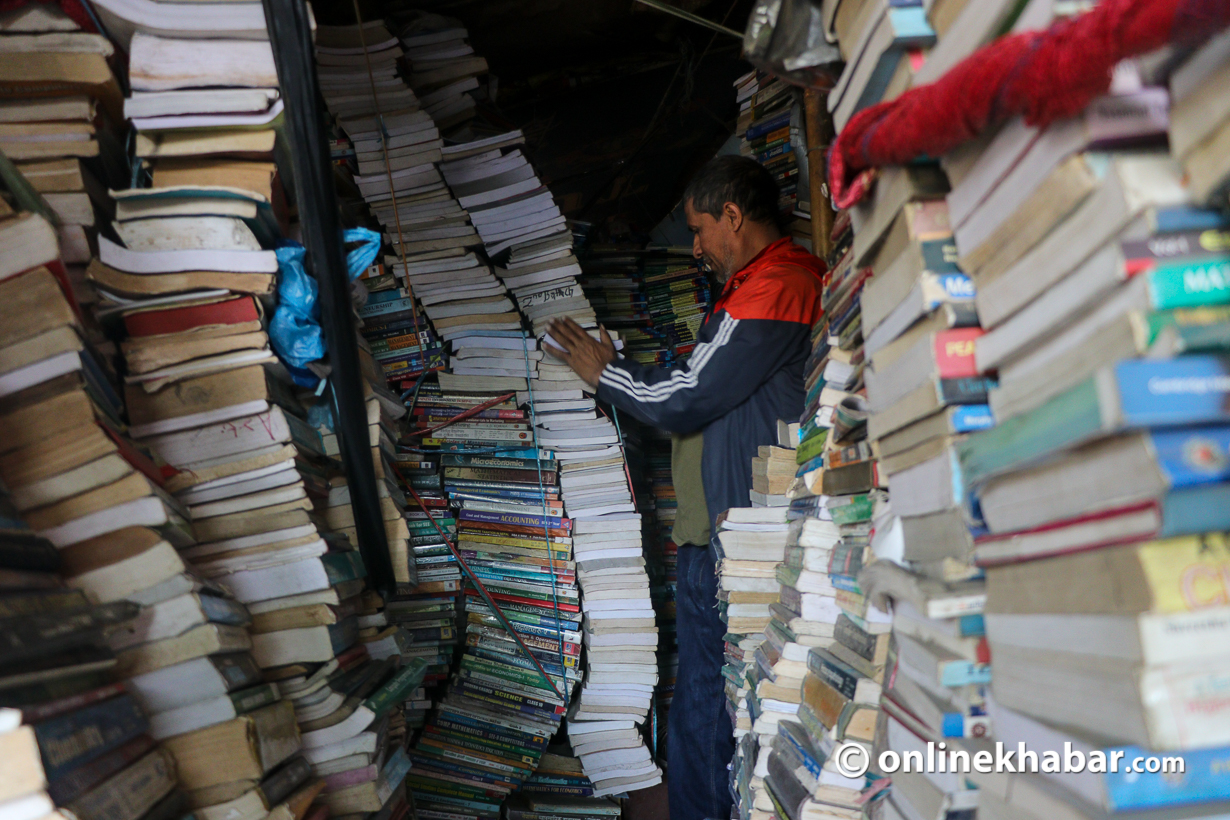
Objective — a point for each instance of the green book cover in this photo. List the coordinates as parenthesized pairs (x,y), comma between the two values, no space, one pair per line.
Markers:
(398,688)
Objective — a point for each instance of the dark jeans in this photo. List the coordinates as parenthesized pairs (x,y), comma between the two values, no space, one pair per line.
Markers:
(700,741)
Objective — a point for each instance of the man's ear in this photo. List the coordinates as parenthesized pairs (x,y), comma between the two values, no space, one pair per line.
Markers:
(733,215)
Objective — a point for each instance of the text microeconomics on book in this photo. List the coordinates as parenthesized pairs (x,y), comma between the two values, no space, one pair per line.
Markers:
(853,760)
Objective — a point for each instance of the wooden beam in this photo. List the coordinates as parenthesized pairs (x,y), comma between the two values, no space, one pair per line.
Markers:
(819,125)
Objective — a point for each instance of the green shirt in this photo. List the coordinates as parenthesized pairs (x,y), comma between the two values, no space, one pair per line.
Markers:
(692,517)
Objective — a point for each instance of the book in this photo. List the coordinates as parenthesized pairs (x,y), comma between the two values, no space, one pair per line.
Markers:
(247,747)
(1126,395)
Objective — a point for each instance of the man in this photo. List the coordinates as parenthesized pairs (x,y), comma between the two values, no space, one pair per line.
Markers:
(745,373)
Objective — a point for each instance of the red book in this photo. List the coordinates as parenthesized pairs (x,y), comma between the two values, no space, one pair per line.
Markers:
(954,352)
(179,318)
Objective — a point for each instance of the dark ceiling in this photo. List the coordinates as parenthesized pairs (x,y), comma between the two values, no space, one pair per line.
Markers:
(620,103)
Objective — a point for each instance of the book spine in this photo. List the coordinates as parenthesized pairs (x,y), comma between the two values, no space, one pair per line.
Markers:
(492,695)
(36,635)
(768,126)
(45,711)
(82,736)
(249,700)
(1185,390)
(131,793)
(280,785)
(512,742)
(829,669)
(396,690)
(1190,285)
(494,723)
(380,308)
(482,746)
(66,789)
(969,418)
(972,390)
(954,353)
(855,639)
(516,520)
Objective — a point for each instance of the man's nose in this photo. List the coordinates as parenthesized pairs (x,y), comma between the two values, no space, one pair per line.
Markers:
(696,252)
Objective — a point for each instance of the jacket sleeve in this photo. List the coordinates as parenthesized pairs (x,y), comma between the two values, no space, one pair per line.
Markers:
(722,373)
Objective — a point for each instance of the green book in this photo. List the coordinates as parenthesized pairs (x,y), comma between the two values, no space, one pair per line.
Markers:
(398,688)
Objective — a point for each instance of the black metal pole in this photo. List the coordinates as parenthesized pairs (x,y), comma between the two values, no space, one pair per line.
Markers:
(290,33)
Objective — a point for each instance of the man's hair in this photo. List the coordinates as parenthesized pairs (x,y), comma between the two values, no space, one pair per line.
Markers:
(736,179)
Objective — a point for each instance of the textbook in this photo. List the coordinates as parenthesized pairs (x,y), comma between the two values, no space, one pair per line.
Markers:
(1133,393)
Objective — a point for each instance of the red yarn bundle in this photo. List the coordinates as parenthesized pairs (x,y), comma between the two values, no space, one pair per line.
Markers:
(1042,75)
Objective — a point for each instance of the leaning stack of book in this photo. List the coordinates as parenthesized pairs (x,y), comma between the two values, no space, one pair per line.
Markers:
(770,130)
(60,110)
(884,46)
(1200,122)
(620,632)
(489,732)
(71,738)
(751,545)
(104,503)
(1127,497)
(936,689)
(441,66)
(621,640)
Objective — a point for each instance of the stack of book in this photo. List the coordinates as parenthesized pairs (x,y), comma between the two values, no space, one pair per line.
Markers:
(773,471)
(751,546)
(487,735)
(770,131)
(104,503)
(924,394)
(937,689)
(662,554)
(396,148)
(71,737)
(442,67)
(621,640)
(1200,122)
(532,806)
(656,298)
(58,124)
(884,46)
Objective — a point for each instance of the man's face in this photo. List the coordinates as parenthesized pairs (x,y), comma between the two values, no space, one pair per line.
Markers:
(712,242)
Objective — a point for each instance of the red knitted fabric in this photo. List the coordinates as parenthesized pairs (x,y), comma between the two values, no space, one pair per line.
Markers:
(1042,75)
(73,8)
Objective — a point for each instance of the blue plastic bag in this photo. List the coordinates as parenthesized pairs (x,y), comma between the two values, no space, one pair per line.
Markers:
(294,329)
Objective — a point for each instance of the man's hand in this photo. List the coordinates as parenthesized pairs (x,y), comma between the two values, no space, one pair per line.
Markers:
(584,355)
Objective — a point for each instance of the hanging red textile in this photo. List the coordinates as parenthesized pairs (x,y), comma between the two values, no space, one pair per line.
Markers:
(1041,75)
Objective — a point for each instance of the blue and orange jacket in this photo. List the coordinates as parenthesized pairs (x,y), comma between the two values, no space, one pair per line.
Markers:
(745,373)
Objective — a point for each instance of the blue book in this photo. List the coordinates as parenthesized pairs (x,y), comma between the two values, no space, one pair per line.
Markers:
(376,297)
(1129,395)
(390,306)
(75,739)
(908,28)
(1189,218)
(765,156)
(759,129)
(1205,777)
